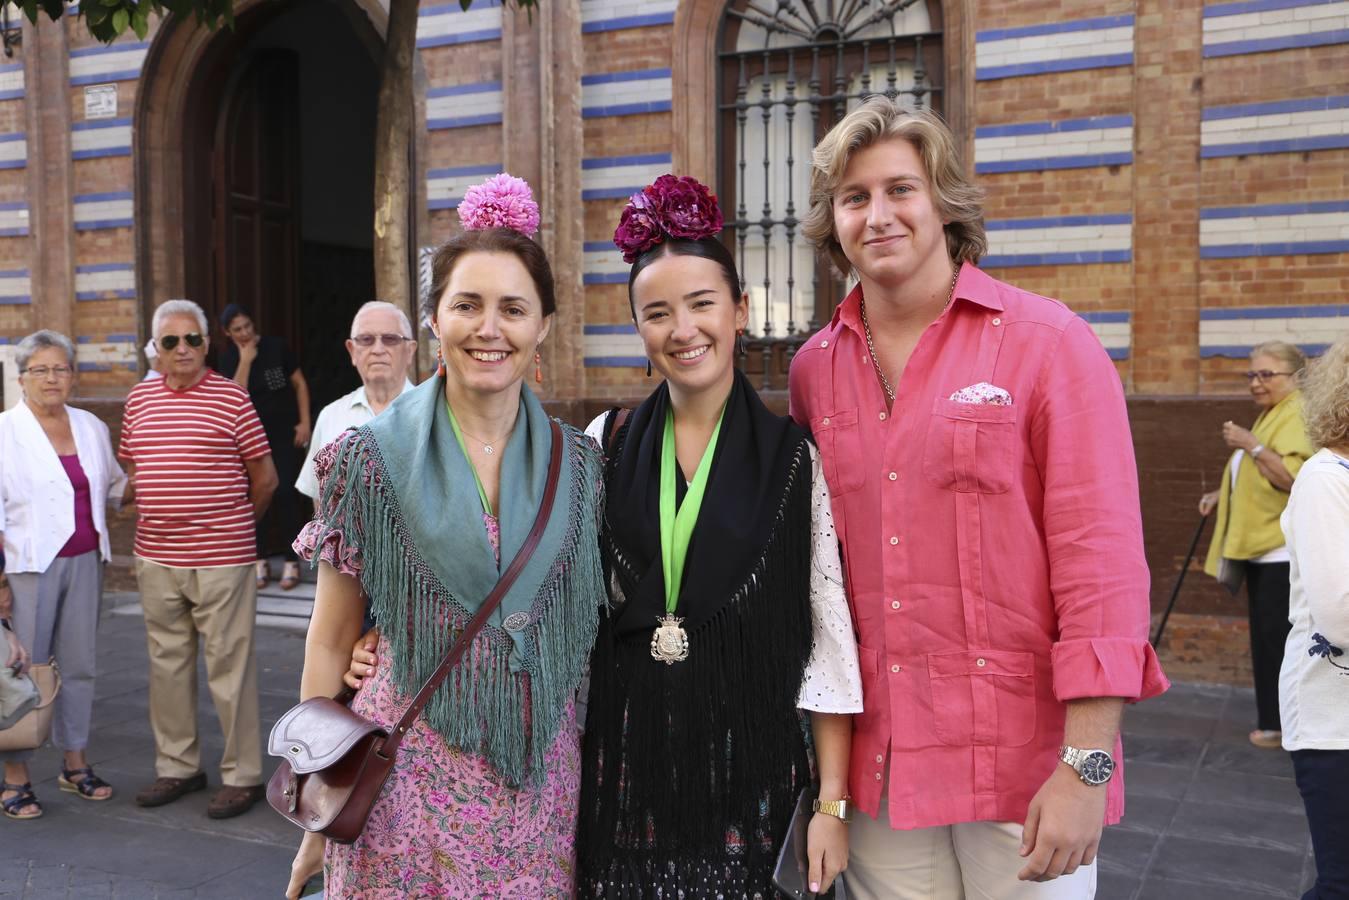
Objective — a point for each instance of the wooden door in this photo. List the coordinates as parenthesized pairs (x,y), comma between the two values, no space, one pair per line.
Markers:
(256,217)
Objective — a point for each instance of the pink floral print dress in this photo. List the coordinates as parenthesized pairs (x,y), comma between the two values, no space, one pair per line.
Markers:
(446,825)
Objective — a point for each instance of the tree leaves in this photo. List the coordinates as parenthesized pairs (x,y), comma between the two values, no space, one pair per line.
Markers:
(108,20)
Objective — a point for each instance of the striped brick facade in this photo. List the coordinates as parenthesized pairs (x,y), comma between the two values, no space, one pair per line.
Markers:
(1177,172)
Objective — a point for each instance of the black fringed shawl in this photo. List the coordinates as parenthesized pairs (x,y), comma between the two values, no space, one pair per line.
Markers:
(676,756)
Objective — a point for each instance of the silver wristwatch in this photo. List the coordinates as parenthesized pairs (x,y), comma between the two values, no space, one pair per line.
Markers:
(1094,767)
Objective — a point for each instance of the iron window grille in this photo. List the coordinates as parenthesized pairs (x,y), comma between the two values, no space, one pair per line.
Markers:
(789,70)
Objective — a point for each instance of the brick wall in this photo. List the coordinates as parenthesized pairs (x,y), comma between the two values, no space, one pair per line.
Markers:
(1176,171)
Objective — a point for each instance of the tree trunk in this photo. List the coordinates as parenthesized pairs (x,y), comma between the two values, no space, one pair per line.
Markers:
(393,134)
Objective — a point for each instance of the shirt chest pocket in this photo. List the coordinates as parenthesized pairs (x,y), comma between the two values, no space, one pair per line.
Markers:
(984,698)
(836,436)
(971,447)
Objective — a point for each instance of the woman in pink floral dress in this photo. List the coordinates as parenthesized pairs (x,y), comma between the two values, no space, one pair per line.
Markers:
(419,512)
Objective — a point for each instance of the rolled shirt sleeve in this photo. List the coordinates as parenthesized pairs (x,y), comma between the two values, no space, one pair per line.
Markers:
(1099,580)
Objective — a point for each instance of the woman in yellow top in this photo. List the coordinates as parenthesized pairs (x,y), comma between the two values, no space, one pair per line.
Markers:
(1252,493)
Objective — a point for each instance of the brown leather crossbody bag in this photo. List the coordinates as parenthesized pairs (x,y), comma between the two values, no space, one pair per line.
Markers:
(334,762)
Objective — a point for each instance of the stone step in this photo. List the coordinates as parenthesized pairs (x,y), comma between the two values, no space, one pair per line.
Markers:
(296,607)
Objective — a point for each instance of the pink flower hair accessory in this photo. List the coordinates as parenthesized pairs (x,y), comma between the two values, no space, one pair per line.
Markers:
(669,207)
(502,201)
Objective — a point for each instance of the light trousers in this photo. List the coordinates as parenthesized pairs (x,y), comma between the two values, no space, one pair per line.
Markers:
(220,605)
(967,861)
(56,616)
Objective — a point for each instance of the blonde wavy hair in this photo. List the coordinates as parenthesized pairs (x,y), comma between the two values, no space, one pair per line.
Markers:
(1325,396)
(958,200)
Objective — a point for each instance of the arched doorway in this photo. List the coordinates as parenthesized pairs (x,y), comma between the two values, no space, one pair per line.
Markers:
(255,172)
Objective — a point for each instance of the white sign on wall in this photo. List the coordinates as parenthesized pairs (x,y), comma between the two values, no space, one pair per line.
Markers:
(100,101)
(9,377)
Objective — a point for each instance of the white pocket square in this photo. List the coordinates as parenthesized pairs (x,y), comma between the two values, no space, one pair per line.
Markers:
(983,394)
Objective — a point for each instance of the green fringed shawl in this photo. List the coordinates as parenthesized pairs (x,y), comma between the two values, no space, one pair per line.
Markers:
(400,493)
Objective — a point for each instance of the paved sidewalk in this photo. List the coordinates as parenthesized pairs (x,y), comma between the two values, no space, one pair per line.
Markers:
(1209,816)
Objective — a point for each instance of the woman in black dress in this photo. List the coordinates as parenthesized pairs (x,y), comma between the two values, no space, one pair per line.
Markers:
(266,368)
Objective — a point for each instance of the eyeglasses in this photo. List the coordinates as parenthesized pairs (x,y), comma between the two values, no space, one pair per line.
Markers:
(41,372)
(1265,375)
(388,340)
(169,341)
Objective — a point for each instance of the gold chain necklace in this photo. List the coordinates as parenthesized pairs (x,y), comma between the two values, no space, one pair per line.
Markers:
(871,344)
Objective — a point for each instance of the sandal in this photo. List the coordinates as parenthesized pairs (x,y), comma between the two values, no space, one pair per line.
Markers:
(23,798)
(290,575)
(264,573)
(86,786)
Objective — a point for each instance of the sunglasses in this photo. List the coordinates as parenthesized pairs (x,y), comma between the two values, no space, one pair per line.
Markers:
(388,340)
(1265,375)
(169,341)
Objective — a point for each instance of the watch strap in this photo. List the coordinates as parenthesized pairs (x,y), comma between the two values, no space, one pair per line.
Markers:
(839,809)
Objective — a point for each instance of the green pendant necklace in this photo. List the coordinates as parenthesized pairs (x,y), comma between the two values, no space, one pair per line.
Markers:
(670,643)
(459,436)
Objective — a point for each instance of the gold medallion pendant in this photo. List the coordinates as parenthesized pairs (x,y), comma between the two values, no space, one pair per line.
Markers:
(669,642)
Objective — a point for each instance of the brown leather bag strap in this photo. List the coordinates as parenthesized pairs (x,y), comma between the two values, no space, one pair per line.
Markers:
(490,604)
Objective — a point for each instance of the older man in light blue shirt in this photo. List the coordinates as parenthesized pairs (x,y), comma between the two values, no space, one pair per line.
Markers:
(381,347)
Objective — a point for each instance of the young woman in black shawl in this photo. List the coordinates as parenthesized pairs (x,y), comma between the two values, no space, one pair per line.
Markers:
(725,617)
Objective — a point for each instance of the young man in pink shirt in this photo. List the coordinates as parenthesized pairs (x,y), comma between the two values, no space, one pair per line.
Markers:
(977,447)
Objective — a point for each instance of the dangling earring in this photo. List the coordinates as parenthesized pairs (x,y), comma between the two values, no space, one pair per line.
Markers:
(740,343)
(648,368)
(440,364)
(538,367)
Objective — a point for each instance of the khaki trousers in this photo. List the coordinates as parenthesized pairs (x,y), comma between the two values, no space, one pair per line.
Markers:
(220,604)
(968,861)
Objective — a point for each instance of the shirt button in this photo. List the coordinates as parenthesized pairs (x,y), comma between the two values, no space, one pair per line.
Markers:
(824,421)
(893,541)
(894,476)
(865,359)
(879,758)
(895,604)
(980,662)
(824,343)
(894,669)
(878,776)
(882,417)
(997,321)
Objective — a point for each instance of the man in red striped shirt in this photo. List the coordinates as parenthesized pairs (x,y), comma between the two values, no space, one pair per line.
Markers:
(203,474)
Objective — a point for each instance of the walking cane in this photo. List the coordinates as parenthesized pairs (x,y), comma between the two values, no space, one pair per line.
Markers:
(1180,579)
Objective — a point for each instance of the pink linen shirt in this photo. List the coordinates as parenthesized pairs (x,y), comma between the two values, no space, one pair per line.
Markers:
(992,546)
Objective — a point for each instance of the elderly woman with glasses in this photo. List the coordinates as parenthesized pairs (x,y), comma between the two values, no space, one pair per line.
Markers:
(57,472)
(1252,493)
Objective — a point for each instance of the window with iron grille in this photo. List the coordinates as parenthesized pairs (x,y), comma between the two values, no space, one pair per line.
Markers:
(790,69)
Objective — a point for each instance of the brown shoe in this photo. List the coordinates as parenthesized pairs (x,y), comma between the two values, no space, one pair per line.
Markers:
(231,801)
(167,790)
(1268,740)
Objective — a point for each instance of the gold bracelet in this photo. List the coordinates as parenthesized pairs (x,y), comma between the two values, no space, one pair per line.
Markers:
(839,809)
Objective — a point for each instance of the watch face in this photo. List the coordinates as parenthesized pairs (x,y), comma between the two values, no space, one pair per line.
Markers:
(1097,767)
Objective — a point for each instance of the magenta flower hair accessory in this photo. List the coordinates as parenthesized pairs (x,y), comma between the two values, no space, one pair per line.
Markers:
(669,207)
(502,201)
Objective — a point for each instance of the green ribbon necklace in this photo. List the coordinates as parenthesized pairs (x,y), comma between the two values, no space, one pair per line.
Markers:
(670,643)
(459,436)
